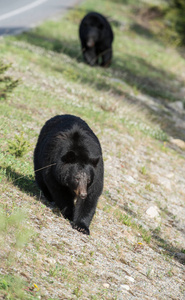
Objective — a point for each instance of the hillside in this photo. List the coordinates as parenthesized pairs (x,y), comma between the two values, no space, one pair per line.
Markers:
(136,249)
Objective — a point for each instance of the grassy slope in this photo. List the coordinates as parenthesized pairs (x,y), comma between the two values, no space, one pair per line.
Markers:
(54,80)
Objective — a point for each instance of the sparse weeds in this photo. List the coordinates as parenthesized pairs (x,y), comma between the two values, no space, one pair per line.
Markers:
(170,272)
(12,227)
(143,170)
(128,221)
(82,259)
(124,219)
(54,271)
(164,147)
(157,230)
(107,208)
(149,272)
(148,130)
(148,187)
(77,292)
(146,236)
(70,74)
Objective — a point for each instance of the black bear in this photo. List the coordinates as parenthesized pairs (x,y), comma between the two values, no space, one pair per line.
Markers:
(69,168)
(96,39)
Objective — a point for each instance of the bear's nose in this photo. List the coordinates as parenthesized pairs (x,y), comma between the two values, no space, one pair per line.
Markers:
(90,43)
(83,195)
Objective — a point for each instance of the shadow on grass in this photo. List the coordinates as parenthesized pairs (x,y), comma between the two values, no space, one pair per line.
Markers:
(24,182)
(143,31)
(28,185)
(135,71)
(162,116)
(158,244)
(146,78)
(173,221)
(181,51)
(71,47)
(124,2)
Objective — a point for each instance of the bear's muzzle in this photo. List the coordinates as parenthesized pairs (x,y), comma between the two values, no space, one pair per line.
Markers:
(81,190)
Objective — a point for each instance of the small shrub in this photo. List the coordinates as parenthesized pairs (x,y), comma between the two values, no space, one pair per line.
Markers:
(19,146)
(7,84)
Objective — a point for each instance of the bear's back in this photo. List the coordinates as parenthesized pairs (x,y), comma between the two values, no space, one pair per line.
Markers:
(66,124)
(67,132)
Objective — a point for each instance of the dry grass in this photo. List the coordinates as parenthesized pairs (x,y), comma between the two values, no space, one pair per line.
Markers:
(129,255)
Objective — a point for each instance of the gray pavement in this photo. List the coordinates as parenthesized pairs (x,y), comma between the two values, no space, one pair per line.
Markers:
(21,15)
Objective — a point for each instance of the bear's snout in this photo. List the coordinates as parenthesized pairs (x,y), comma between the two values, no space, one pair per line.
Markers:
(83,195)
(81,190)
(90,42)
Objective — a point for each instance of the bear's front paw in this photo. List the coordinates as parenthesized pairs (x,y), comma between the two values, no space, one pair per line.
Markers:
(81,228)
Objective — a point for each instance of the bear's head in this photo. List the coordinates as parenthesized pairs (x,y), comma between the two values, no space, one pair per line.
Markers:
(77,172)
(93,28)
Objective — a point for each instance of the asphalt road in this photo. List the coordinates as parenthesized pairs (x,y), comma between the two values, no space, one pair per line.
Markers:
(20,15)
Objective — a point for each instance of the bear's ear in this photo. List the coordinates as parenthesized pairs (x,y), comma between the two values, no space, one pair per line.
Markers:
(69,157)
(94,161)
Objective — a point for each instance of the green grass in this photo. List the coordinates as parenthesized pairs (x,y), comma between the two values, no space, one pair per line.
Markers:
(14,236)
(13,287)
(53,79)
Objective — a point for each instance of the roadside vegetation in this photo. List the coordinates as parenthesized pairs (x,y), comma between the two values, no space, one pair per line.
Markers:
(7,84)
(136,249)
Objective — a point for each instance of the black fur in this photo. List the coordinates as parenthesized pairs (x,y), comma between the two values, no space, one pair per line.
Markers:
(96,39)
(77,174)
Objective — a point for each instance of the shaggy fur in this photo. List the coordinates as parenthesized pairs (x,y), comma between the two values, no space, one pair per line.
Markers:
(96,39)
(74,181)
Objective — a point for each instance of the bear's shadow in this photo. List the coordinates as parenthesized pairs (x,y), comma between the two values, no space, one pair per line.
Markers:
(71,47)
(27,185)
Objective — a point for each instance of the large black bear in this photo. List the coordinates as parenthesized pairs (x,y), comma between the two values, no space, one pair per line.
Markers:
(69,168)
(96,39)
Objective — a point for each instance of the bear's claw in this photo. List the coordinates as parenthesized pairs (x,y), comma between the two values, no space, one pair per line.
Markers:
(81,229)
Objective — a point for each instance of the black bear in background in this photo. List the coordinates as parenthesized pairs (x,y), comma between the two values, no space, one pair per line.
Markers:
(69,168)
(96,39)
